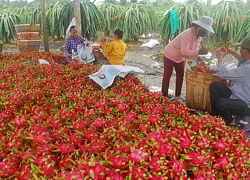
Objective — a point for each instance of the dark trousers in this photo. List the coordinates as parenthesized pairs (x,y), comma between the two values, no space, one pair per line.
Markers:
(222,105)
(168,70)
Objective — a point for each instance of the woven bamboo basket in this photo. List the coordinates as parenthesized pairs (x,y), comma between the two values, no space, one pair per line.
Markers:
(27,28)
(28,45)
(197,89)
(97,53)
(28,36)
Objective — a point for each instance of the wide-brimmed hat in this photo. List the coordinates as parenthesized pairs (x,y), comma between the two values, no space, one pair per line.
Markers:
(206,22)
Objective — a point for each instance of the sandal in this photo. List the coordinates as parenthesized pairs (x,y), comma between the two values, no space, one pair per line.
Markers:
(170,96)
(232,124)
(178,98)
(235,124)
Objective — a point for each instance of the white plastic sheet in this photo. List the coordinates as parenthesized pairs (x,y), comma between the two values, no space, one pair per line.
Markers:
(207,56)
(72,23)
(151,43)
(42,61)
(107,73)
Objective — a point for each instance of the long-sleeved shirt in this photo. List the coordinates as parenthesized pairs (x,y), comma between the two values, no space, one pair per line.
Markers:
(115,52)
(185,45)
(71,43)
(240,75)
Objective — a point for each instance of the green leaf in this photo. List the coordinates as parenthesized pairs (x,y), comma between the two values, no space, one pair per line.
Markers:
(91,172)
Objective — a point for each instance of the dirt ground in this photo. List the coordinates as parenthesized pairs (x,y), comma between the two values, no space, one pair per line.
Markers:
(145,58)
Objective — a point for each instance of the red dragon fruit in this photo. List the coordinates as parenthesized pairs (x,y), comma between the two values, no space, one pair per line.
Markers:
(75,139)
(137,156)
(114,175)
(65,148)
(24,172)
(97,171)
(48,169)
(119,162)
(154,119)
(198,158)
(185,142)
(100,122)
(233,174)
(79,125)
(219,145)
(44,149)
(155,164)
(7,169)
(137,172)
(97,147)
(122,107)
(65,162)
(20,122)
(108,111)
(71,175)
(177,168)
(222,162)
(203,142)
(101,104)
(155,136)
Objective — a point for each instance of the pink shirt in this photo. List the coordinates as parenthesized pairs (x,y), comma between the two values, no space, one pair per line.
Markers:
(185,45)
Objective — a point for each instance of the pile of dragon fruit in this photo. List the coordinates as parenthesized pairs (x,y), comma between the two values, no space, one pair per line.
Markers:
(56,123)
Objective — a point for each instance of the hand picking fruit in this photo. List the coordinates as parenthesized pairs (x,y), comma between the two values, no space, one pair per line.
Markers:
(224,48)
(103,39)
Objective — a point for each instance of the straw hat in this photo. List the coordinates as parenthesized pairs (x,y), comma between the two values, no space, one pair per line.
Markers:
(206,22)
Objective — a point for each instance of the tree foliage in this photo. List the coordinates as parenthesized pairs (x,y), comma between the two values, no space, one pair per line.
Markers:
(137,19)
(231,18)
(227,20)
(111,14)
(187,12)
(8,20)
(90,18)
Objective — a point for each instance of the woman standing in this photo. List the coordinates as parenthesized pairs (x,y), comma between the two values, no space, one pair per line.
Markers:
(185,45)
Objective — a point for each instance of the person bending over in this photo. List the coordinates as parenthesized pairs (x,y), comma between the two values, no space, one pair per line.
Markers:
(185,45)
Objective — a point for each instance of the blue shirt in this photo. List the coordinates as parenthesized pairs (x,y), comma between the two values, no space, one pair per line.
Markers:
(241,61)
(241,77)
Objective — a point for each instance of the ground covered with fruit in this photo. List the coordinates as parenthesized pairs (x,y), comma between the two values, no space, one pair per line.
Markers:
(56,123)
